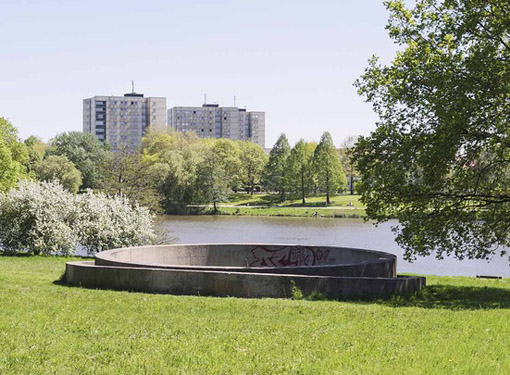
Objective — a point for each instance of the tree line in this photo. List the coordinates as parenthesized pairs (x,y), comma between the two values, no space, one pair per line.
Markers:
(172,170)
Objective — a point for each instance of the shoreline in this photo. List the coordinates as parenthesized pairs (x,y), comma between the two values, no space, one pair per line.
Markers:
(339,212)
(278,212)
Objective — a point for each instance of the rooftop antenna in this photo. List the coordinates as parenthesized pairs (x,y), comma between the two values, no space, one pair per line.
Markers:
(234,100)
(133,86)
(205,98)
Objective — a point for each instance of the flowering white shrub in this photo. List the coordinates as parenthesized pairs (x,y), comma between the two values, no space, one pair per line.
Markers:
(38,217)
(44,218)
(111,222)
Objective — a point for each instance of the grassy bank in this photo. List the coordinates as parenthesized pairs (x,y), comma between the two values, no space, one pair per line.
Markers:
(457,326)
(313,201)
(342,206)
(291,211)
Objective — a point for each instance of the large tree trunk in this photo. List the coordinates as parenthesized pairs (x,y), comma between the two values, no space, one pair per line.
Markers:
(328,201)
(302,188)
(352,184)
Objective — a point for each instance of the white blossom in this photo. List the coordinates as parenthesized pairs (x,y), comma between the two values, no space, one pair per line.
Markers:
(111,222)
(38,217)
(44,218)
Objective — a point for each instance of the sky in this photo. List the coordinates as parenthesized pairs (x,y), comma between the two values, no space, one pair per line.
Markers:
(296,60)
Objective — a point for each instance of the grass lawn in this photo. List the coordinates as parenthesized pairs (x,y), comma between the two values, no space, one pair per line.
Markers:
(268,205)
(312,201)
(291,211)
(457,326)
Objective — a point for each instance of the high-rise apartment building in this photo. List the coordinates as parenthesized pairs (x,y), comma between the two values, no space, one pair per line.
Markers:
(213,121)
(122,120)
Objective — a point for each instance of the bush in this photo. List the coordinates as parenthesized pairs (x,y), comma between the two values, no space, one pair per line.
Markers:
(58,167)
(38,217)
(44,218)
(112,222)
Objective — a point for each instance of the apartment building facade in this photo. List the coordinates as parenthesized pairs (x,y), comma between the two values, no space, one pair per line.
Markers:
(213,121)
(123,120)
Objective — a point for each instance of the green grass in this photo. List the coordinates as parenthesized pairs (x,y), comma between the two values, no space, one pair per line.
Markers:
(457,326)
(343,206)
(312,201)
(291,211)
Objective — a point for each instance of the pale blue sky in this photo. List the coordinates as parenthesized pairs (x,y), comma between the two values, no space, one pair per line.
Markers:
(295,60)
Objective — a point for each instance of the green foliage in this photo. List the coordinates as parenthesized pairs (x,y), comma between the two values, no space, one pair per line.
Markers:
(212,179)
(85,151)
(347,159)
(126,173)
(176,157)
(189,170)
(13,156)
(227,156)
(439,159)
(253,162)
(59,168)
(300,169)
(275,175)
(328,169)
(36,150)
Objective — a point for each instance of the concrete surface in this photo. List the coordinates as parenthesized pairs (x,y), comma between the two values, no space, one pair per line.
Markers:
(245,270)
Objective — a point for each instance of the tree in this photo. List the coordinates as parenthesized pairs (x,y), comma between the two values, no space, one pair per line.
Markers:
(275,175)
(212,181)
(13,156)
(127,174)
(300,168)
(228,157)
(253,160)
(36,150)
(85,151)
(177,157)
(346,158)
(58,167)
(329,171)
(439,160)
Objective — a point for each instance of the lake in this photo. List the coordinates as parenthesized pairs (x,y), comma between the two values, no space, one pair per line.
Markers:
(320,231)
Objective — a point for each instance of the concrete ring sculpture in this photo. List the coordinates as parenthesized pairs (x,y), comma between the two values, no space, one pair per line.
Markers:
(245,270)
